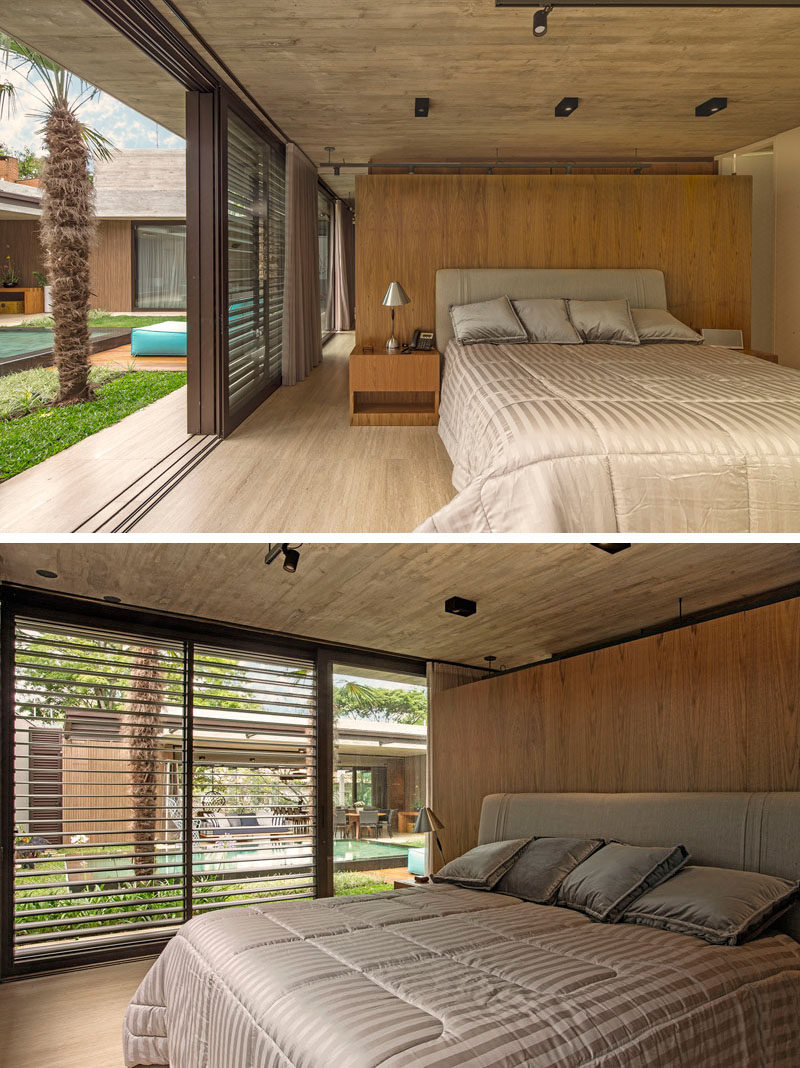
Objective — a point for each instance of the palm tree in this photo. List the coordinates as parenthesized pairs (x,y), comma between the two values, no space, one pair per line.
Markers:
(140,726)
(67,205)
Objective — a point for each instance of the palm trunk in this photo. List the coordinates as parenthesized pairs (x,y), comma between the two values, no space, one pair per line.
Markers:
(141,725)
(67,230)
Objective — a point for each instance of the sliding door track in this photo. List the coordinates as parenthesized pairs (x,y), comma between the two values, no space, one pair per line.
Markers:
(121,514)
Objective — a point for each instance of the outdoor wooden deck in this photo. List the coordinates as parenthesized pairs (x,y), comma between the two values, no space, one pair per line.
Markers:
(121,356)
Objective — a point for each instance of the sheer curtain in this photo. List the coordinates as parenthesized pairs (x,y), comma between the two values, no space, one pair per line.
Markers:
(302,340)
(344,269)
(161,265)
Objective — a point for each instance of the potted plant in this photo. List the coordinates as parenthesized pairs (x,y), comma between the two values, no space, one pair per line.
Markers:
(41,280)
(9,275)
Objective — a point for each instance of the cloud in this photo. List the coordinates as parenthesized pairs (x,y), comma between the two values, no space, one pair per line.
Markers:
(125,128)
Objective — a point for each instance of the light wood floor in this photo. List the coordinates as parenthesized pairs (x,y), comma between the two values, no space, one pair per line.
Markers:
(72,1020)
(296,465)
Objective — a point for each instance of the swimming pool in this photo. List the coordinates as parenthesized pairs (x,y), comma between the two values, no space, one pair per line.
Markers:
(21,348)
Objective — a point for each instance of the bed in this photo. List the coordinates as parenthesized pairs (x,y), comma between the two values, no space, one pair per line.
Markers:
(443,976)
(610,438)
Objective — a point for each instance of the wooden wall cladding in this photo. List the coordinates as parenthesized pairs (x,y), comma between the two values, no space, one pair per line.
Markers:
(696,228)
(710,707)
(111,266)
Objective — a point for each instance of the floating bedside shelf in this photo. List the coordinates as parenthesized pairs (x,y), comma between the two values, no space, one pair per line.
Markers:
(394,389)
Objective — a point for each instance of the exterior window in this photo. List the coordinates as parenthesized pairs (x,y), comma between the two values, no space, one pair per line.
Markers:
(325,236)
(160,259)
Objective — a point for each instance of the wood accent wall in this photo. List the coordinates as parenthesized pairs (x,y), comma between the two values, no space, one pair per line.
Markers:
(19,239)
(111,266)
(696,228)
(715,706)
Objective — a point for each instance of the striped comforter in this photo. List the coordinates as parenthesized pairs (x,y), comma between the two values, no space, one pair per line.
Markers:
(449,977)
(582,438)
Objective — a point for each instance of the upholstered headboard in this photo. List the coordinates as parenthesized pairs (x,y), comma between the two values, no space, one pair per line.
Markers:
(643,287)
(747,831)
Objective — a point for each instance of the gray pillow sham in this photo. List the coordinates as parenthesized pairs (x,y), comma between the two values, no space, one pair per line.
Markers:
(611,879)
(657,324)
(603,321)
(546,321)
(480,868)
(488,321)
(720,905)
(541,867)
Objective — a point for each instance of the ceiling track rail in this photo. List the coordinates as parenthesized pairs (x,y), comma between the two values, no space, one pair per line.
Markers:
(719,4)
(414,166)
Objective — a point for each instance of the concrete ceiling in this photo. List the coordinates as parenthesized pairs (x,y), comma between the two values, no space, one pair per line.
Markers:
(533,600)
(346,74)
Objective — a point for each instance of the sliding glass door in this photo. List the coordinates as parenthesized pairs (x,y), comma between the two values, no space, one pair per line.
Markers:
(159,266)
(255,227)
(153,779)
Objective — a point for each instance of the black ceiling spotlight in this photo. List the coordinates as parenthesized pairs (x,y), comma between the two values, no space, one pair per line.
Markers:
(540,20)
(712,106)
(460,606)
(291,556)
(611,547)
(46,574)
(111,599)
(422,106)
(566,106)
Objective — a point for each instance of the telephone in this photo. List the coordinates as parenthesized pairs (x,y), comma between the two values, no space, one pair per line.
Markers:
(422,341)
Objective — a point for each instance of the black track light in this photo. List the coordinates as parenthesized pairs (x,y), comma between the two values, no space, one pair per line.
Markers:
(611,547)
(422,106)
(566,106)
(46,574)
(711,107)
(460,606)
(540,20)
(291,557)
(111,599)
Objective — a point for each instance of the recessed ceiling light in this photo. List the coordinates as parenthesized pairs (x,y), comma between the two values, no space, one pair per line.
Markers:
(45,573)
(711,106)
(112,600)
(611,547)
(567,106)
(422,106)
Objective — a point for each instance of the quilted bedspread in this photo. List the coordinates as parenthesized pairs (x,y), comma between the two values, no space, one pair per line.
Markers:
(650,438)
(450,977)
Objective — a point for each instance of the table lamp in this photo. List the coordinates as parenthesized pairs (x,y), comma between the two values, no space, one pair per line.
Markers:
(427,822)
(395,297)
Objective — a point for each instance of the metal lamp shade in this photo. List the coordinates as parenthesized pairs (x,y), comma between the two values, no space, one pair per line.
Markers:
(426,821)
(396,296)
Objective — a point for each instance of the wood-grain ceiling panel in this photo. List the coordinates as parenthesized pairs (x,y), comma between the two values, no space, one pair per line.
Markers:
(533,600)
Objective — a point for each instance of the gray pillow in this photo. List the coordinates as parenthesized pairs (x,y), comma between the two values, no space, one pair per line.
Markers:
(606,884)
(542,866)
(656,324)
(483,866)
(490,320)
(546,320)
(720,905)
(603,321)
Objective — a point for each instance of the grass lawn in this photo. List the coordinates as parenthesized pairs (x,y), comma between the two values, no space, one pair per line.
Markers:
(106,319)
(29,439)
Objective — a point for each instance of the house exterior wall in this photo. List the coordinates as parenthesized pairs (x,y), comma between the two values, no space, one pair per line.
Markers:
(111,266)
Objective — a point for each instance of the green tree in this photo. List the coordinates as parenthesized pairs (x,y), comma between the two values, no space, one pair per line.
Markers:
(383,705)
(67,205)
(30,165)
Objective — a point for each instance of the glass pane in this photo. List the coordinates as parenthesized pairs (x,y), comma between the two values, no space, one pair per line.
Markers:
(98,788)
(254,780)
(380,750)
(160,265)
(325,239)
(256,217)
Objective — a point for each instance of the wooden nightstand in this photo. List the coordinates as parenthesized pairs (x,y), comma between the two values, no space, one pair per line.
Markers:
(770,356)
(393,389)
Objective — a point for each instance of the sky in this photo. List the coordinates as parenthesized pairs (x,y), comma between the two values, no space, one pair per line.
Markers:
(123,126)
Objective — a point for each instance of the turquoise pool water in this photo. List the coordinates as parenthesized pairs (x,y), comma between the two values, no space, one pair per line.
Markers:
(17,343)
(362,849)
